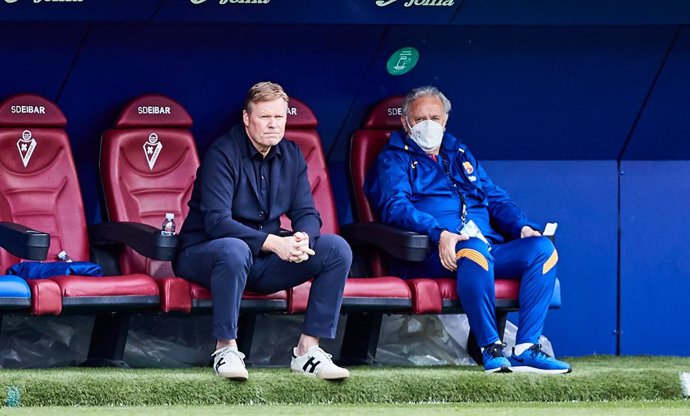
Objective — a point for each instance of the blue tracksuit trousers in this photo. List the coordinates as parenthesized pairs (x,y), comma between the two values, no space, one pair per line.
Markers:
(227,267)
(532,260)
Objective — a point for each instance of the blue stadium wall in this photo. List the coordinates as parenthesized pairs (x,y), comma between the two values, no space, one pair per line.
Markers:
(580,109)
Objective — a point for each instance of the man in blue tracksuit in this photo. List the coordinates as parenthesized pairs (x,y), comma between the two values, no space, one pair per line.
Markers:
(426,181)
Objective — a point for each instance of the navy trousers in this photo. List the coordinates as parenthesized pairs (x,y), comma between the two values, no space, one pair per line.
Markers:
(226,266)
(532,260)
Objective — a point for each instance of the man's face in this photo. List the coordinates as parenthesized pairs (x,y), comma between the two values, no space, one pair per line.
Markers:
(265,123)
(424,108)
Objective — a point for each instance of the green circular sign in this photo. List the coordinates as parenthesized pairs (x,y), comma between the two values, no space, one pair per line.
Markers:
(402,61)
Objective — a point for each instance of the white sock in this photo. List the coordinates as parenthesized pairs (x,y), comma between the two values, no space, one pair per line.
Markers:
(232,348)
(520,348)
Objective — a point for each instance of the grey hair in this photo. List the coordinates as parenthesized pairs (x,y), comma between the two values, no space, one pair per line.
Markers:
(424,91)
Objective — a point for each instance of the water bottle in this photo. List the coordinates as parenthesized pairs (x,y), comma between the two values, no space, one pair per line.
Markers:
(62,256)
(168,227)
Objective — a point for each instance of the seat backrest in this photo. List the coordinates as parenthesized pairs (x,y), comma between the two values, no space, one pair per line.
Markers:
(301,129)
(365,146)
(148,163)
(38,179)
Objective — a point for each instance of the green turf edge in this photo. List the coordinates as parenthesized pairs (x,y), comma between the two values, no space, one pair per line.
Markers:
(594,379)
(622,408)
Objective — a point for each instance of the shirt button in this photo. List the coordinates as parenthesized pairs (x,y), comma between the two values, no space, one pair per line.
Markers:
(261,227)
(261,214)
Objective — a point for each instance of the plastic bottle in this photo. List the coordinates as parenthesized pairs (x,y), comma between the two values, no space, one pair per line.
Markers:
(168,227)
(62,256)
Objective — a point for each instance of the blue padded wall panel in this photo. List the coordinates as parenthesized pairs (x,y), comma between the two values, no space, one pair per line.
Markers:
(209,69)
(37,60)
(582,197)
(573,12)
(527,92)
(664,126)
(655,265)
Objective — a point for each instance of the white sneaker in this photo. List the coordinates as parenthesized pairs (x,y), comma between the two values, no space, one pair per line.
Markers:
(318,363)
(228,362)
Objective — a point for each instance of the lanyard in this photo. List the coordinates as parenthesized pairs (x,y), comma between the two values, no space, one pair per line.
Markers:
(446,169)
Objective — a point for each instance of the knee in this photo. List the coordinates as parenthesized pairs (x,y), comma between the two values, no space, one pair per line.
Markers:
(337,248)
(234,252)
(474,250)
(545,253)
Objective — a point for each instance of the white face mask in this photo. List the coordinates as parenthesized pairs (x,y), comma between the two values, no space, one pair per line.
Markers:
(428,134)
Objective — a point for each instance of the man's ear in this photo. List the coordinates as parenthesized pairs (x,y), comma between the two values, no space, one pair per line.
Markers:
(403,121)
(245,118)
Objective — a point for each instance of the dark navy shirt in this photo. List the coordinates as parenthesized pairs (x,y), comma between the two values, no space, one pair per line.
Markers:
(262,172)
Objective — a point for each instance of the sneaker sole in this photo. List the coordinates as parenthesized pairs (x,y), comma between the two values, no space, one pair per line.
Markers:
(236,375)
(322,376)
(526,369)
(502,369)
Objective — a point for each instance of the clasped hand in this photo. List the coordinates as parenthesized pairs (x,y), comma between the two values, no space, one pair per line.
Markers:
(294,248)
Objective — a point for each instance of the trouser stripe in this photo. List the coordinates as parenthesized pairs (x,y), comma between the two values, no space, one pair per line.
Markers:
(473,255)
(550,262)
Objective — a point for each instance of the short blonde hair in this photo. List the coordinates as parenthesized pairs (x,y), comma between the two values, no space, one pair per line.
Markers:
(264,91)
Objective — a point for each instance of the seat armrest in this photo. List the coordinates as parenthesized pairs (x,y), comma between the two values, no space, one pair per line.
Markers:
(144,239)
(405,245)
(24,242)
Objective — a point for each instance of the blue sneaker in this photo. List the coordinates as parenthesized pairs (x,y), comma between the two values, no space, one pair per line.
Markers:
(494,359)
(534,360)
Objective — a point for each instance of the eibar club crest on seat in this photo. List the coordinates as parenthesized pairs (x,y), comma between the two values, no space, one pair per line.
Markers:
(26,145)
(152,148)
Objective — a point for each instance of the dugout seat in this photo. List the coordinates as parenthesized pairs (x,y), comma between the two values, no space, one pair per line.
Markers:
(148,164)
(364,299)
(15,294)
(384,243)
(40,190)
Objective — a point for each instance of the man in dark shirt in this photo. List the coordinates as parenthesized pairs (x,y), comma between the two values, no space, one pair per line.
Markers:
(231,237)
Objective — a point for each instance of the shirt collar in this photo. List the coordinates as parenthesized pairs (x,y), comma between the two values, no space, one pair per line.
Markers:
(274,151)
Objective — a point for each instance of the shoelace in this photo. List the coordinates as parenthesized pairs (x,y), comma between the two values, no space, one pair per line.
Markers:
(223,352)
(495,350)
(536,351)
(319,350)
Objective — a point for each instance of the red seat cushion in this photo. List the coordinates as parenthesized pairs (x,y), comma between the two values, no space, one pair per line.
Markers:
(201,293)
(385,287)
(426,296)
(46,298)
(127,285)
(377,287)
(505,288)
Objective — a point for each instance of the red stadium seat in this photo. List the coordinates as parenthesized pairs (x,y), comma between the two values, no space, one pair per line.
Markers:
(148,166)
(388,293)
(363,298)
(40,190)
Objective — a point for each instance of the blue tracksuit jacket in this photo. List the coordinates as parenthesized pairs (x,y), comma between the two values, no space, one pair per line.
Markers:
(410,190)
